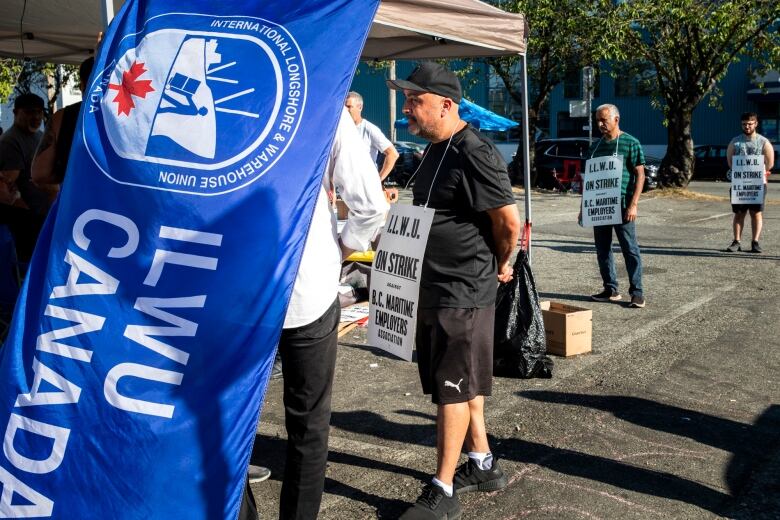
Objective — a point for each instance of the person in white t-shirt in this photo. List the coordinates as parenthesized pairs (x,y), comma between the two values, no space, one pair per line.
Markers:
(309,337)
(372,136)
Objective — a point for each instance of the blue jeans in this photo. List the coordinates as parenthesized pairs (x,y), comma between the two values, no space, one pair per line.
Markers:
(626,235)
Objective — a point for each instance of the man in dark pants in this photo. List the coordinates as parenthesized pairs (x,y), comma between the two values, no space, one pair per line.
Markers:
(615,142)
(470,244)
(309,337)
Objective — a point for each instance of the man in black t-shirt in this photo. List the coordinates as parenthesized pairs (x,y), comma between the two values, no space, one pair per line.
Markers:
(22,206)
(474,231)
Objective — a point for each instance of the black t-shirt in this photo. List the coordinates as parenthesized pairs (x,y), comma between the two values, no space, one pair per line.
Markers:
(459,269)
(17,149)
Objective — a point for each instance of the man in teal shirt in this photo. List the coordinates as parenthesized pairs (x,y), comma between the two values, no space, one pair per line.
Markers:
(615,142)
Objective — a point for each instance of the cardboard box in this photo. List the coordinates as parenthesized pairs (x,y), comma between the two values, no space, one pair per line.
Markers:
(569,329)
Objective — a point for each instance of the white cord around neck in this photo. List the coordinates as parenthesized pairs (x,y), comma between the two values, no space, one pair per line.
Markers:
(436,173)
(617,146)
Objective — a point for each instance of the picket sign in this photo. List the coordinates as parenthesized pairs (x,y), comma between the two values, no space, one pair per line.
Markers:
(395,279)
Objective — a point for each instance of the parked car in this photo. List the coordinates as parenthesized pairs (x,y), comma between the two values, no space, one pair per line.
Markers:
(652,165)
(560,162)
(410,155)
(710,162)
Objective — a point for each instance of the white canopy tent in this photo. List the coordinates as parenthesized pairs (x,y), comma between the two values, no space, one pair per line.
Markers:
(65,31)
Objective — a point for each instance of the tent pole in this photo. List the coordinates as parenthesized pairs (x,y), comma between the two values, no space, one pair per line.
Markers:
(391,101)
(526,152)
(107,10)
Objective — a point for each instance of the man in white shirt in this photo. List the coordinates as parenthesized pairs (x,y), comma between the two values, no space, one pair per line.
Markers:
(372,136)
(309,338)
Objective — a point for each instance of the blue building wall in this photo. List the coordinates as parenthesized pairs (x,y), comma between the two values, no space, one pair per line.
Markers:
(710,125)
(370,83)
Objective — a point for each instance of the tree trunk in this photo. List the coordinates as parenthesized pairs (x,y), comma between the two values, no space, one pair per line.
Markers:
(677,165)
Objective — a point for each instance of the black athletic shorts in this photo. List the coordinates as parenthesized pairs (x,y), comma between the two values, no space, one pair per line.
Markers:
(741,208)
(455,353)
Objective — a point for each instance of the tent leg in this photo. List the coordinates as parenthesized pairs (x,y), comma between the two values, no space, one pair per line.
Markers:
(526,152)
(107,11)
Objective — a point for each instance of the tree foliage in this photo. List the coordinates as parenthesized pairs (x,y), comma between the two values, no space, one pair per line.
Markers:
(690,44)
(23,76)
(564,36)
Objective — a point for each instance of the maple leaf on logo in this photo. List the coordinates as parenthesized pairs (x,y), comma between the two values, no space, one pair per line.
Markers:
(131,86)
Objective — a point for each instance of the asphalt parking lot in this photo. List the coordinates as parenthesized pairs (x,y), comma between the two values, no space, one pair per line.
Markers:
(675,413)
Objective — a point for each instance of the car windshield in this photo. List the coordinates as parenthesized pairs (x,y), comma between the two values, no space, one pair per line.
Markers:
(569,149)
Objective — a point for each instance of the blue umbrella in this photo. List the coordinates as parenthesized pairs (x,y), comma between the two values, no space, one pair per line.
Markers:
(478,116)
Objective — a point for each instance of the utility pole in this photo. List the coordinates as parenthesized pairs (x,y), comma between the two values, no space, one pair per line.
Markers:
(588,83)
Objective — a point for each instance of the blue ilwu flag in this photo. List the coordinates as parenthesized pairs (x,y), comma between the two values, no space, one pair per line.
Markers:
(132,379)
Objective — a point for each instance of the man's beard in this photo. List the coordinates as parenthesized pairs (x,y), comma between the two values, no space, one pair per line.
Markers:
(426,133)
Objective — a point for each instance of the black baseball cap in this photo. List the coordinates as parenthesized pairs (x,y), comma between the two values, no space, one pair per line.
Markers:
(429,76)
(28,100)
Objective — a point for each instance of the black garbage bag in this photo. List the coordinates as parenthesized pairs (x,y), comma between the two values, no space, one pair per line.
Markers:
(519,346)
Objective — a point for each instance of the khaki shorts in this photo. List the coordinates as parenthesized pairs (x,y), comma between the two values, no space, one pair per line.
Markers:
(455,353)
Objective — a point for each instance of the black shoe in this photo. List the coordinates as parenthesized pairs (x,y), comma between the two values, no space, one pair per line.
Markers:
(258,473)
(637,302)
(756,247)
(734,247)
(433,504)
(607,295)
(276,371)
(469,477)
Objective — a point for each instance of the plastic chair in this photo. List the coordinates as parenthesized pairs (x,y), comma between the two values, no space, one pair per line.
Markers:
(570,178)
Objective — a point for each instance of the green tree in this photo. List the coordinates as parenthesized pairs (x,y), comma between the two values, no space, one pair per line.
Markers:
(21,76)
(564,36)
(690,44)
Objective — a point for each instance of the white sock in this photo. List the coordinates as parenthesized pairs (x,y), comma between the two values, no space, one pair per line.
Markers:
(447,489)
(484,461)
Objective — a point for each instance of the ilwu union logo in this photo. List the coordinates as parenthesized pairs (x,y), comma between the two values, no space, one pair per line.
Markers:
(197,104)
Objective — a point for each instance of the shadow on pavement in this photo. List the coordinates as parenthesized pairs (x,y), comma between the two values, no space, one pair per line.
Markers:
(749,444)
(564,461)
(270,451)
(577,247)
(385,508)
(565,296)
(373,424)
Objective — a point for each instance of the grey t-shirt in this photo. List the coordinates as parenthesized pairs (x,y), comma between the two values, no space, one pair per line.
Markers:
(17,149)
(744,146)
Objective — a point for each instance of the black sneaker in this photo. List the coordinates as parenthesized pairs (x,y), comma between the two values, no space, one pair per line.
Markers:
(607,295)
(637,302)
(756,247)
(258,473)
(434,504)
(469,477)
(734,247)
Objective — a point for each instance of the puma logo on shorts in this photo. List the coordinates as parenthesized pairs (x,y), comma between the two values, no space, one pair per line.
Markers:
(453,385)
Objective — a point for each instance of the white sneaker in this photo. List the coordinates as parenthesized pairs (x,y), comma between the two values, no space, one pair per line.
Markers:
(258,473)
